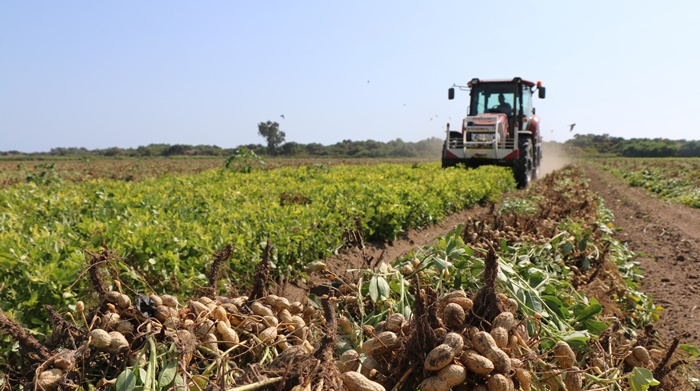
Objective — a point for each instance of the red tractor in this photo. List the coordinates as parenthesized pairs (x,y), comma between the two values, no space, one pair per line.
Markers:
(500,128)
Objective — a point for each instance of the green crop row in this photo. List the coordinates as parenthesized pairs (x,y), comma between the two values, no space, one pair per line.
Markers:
(166,230)
(677,180)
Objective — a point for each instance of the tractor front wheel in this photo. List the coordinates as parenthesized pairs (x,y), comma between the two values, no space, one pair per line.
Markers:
(524,165)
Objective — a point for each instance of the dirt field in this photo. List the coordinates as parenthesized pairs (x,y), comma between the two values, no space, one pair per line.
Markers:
(667,237)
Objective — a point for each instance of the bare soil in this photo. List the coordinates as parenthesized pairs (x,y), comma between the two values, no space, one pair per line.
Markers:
(667,239)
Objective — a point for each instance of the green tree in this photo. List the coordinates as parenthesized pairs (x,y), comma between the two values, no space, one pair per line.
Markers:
(690,149)
(271,132)
(291,148)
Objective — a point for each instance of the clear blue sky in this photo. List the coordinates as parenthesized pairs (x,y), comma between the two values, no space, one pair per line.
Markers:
(99,74)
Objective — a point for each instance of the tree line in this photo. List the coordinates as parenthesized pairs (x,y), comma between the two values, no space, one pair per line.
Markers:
(583,145)
(606,145)
(347,148)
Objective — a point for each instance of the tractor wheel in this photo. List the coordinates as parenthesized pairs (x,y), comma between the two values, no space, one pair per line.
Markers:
(524,165)
(448,163)
(537,165)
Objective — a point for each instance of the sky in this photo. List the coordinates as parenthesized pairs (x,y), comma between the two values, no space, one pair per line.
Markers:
(131,73)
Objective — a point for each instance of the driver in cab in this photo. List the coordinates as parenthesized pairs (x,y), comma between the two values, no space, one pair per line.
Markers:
(503,106)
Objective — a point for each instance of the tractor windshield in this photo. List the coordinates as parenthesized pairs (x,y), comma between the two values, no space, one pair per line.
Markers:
(492,98)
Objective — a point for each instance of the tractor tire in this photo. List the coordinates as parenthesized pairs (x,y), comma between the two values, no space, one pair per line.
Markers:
(446,163)
(524,165)
(537,165)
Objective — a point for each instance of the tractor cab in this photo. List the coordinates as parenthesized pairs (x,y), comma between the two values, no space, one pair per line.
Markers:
(511,98)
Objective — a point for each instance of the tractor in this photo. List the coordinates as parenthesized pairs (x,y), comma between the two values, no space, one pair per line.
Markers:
(500,128)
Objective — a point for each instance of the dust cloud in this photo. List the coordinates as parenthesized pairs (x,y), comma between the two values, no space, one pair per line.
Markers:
(554,157)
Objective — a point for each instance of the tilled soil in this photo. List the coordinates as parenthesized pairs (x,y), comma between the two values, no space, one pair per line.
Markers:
(667,239)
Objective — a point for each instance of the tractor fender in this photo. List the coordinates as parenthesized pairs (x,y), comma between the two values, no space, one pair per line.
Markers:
(534,126)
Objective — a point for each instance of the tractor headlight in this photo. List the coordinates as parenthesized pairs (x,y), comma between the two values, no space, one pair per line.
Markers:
(483,137)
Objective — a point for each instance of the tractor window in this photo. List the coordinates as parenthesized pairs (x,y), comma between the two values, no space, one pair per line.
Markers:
(488,101)
(527,101)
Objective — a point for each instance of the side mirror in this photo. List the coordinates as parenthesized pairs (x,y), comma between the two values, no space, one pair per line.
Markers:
(451,93)
(540,92)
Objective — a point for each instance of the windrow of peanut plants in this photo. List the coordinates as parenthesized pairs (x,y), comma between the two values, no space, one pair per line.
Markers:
(570,282)
(165,230)
(675,179)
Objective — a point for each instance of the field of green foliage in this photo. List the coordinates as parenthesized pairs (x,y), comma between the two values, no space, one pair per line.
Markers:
(166,229)
(533,294)
(677,180)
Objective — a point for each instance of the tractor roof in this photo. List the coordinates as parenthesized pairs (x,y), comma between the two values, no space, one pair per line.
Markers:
(526,82)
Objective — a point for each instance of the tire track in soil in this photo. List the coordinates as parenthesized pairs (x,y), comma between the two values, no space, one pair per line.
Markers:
(666,238)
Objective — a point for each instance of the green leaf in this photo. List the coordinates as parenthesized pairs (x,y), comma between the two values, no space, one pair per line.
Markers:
(582,243)
(554,304)
(577,339)
(589,312)
(586,264)
(373,289)
(441,264)
(167,375)
(126,381)
(690,349)
(534,303)
(396,286)
(595,326)
(567,248)
(314,301)
(407,312)
(200,381)
(143,375)
(383,288)
(504,245)
(641,379)
(458,281)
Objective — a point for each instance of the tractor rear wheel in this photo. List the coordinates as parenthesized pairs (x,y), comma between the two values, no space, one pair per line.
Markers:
(524,165)
(536,164)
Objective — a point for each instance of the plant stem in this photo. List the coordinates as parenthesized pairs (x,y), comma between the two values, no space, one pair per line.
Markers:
(255,386)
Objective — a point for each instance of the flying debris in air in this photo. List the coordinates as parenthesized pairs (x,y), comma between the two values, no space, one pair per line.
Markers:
(571,127)
(282,116)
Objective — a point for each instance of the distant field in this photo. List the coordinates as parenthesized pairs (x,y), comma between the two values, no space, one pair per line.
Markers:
(675,179)
(13,171)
